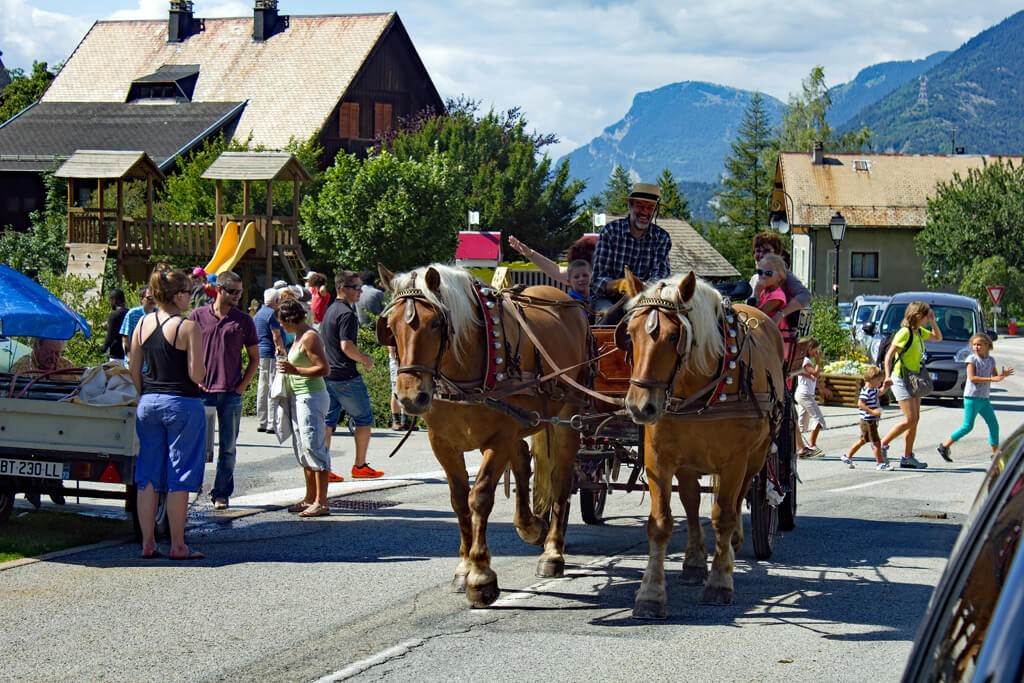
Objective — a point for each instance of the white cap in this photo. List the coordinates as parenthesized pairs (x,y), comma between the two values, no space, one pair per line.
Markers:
(280,284)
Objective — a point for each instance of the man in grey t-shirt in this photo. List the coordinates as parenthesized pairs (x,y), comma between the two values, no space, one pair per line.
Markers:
(371,299)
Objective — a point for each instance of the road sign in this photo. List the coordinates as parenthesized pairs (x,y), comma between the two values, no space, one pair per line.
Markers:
(997,309)
(995,292)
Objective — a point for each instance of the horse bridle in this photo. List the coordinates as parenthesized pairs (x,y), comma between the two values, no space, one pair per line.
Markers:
(653,305)
(386,337)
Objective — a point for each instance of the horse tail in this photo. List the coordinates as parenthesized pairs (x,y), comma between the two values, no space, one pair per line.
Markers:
(543,467)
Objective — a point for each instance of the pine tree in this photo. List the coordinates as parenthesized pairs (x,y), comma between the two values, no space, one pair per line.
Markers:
(620,184)
(747,181)
(673,201)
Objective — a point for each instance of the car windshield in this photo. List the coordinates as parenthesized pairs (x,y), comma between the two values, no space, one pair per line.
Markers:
(956,322)
(864,313)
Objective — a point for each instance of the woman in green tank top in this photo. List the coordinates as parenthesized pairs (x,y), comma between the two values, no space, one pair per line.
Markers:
(305,369)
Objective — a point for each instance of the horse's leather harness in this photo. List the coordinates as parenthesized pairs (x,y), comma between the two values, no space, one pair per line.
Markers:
(730,392)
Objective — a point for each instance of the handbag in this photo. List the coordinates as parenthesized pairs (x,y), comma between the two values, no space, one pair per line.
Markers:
(919,383)
(278,386)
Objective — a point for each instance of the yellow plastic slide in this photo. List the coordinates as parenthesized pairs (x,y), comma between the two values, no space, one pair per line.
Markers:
(246,242)
(225,247)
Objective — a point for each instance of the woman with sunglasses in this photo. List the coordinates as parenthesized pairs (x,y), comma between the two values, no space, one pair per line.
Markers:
(797,295)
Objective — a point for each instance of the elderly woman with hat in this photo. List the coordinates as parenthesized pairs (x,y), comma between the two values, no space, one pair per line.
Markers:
(634,241)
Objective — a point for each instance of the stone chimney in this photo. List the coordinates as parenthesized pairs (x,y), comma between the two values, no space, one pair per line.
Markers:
(818,153)
(265,20)
(181,23)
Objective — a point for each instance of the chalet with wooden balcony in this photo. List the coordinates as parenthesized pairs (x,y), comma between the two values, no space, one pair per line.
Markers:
(165,86)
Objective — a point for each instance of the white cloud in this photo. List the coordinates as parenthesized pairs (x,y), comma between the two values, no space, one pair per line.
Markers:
(574,66)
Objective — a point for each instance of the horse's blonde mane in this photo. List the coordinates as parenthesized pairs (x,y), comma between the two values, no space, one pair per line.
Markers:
(455,296)
(704,317)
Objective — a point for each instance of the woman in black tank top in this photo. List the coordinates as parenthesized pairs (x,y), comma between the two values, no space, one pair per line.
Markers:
(166,362)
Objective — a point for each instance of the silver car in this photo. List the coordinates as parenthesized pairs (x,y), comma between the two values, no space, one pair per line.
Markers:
(867,308)
(958,317)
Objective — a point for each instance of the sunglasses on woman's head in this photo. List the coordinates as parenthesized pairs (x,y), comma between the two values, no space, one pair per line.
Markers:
(766,273)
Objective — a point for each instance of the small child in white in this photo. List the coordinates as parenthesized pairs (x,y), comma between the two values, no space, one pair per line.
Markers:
(808,410)
(870,412)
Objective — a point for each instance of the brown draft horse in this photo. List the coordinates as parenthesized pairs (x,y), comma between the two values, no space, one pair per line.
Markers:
(467,366)
(698,371)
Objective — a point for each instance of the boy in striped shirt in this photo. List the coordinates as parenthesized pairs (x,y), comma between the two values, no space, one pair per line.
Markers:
(870,412)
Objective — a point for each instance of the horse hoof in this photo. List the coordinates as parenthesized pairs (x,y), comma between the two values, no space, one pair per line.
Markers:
(482,596)
(550,568)
(693,576)
(716,595)
(649,609)
(458,584)
(533,533)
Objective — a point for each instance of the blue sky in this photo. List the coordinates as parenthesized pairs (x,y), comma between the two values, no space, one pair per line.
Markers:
(574,66)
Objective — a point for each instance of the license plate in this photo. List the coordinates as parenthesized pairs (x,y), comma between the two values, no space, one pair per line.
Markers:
(38,469)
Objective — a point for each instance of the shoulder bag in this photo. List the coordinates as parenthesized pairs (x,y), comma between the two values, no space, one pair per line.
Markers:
(919,384)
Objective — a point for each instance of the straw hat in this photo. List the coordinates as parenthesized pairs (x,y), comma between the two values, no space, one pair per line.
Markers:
(646,191)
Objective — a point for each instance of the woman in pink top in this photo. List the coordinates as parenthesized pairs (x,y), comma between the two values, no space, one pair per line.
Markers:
(771,273)
(316,283)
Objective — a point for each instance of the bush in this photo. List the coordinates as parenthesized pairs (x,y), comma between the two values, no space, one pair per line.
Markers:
(72,290)
(826,327)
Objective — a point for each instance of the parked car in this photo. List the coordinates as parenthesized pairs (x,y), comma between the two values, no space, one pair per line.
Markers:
(958,317)
(974,626)
(867,308)
(845,314)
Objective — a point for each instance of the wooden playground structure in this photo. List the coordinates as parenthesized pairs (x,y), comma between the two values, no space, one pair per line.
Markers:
(96,233)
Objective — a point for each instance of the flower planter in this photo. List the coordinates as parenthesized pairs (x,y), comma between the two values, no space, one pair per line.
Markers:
(845,390)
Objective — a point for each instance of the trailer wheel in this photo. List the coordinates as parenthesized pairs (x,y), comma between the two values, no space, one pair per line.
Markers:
(764,518)
(592,500)
(6,503)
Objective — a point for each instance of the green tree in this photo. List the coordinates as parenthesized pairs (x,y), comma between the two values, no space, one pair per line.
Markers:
(507,175)
(41,248)
(24,90)
(826,328)
(613,197)
(995,270)
(970,219)
(673,201)
(804,122)
(403,213)
(747,181)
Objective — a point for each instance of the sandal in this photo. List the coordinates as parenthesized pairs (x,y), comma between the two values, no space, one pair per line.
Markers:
(301,506)
(316,510)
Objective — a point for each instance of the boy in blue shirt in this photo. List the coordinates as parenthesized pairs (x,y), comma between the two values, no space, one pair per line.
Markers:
(870,412)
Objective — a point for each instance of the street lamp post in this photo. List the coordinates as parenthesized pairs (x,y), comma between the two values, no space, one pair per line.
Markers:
(837,226)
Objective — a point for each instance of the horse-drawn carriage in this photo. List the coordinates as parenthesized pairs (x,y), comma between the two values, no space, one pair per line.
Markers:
(611,456)
(487,368)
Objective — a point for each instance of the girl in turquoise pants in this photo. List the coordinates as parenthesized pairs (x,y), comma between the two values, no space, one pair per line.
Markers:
(981,373)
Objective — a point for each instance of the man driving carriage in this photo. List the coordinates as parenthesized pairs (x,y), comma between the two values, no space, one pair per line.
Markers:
(635,241)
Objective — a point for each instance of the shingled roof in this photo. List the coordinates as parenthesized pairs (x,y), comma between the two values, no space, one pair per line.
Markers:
(871,190)
(292,81)
(50,131)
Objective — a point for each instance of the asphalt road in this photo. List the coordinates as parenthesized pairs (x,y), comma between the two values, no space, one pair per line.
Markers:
(363,594)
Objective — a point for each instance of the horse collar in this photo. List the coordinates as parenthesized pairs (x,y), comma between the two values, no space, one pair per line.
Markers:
(493,314)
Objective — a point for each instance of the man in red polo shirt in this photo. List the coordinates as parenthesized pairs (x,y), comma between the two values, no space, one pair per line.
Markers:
(227,330)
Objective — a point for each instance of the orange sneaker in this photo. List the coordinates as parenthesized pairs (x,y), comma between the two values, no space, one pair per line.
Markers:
(365,472)
(334,478)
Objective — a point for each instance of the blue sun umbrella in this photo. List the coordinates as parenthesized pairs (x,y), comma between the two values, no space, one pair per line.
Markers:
(27,309)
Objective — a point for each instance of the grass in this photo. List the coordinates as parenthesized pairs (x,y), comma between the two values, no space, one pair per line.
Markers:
(29,533)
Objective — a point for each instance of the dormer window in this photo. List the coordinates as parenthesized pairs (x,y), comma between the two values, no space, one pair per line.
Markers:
(169,84)
(862,165)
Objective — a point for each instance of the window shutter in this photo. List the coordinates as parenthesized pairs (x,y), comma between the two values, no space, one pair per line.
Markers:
(348,120)
(381,118)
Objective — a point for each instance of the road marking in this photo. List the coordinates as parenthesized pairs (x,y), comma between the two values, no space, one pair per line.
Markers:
(356,668)
(886,480)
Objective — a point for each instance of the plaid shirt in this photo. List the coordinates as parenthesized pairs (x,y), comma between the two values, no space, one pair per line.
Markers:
(646,257)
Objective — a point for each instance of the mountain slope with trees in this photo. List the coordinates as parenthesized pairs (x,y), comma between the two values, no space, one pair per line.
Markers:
(972,99)
(874,83)
(683,127)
